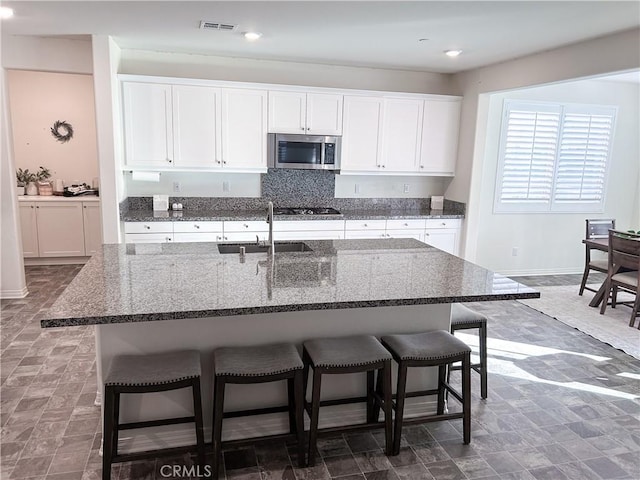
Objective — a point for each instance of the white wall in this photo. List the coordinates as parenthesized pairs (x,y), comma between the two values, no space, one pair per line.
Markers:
(550,243)
(202,184)
(372,186)
(37,100)
(47,54)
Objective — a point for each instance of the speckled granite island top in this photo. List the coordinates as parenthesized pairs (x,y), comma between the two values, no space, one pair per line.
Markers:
(148,282)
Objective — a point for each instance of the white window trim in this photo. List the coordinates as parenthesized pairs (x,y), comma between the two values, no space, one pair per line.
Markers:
(551,205)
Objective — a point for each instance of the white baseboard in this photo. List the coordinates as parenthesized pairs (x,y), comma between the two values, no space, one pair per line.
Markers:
(56,261)
(9,294)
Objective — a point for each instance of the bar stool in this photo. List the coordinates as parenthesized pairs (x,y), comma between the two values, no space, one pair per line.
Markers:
(349,355)
(463,318)
(258,364)
(145,374)
(437,348)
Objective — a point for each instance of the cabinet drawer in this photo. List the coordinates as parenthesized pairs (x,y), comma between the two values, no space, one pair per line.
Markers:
(198,237)
(148,227)
(197,227)
(365,224)
(308,225)
(356,234)
(148,237)
(248,226)
(415,224)
(443,223)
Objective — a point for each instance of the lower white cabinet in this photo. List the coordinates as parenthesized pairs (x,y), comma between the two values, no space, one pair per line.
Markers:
(197,231)
(443,234)
(60,228)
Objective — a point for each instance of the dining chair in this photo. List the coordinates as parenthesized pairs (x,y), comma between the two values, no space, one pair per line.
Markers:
(623,270)
(596,228)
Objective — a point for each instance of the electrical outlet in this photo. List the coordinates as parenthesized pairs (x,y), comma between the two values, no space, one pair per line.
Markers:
(225,186)
(357,188)
(514,252)
(406,188)
(176,187)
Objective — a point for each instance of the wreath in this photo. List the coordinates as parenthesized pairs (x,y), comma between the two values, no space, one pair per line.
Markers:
(62,131)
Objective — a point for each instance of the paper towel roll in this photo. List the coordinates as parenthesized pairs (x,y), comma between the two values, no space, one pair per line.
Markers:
(145,176)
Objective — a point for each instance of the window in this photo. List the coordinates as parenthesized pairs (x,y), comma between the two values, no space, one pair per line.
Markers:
(553,157)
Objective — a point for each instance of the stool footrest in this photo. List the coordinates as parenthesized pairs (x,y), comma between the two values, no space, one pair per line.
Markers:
(432,418)
(256,411)
(130,457)
(156,423)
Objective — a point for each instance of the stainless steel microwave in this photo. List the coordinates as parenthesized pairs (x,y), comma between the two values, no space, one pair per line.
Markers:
(310,152)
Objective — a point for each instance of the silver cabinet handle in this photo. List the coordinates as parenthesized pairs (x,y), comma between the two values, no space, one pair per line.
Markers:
(168,239)
(226,238)
(421,166)
(245,225)
(383,166)
(301,128)
(444,224)
(365,225)
(218,162)
(147,227)
(197,226)
(426,234)
(224,162)
(218,237)
(406,224)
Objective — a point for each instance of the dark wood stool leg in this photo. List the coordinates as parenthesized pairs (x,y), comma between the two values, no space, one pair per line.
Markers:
(218,413)
(483,360)
(107,439)
(291,404)
(199,424)
(400,393)
(380,391)
(388,407)
(370,398)
(466,398)
(298,400)
(315,411)
(442,370)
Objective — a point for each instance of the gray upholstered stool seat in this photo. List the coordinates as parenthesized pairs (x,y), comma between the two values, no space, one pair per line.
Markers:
(139,374)
(463,318)
(257,361)
(155,369)
(258,364)
(440,349)
(346,351)
(436,345)
(341,355)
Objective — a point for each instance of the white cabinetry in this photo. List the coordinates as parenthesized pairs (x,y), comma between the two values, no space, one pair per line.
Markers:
(401,133)
(309,230)
(410,228)
(244,128)
(365,229)
(148,232)
(249,231)
(197,232)
(60,228)
(440,128)
(443,234)
(305,113)
(361,134)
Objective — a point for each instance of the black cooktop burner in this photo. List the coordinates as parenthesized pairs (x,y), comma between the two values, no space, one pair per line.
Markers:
(306,211)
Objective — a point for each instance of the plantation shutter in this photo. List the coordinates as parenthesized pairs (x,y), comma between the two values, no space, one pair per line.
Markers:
(553,157)
(529,149)
(583,156)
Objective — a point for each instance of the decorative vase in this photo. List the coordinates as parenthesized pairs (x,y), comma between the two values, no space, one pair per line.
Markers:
(32,188)
(45,188)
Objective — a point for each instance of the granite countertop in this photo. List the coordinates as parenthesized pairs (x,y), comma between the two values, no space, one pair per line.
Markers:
(222,215)
(126,283)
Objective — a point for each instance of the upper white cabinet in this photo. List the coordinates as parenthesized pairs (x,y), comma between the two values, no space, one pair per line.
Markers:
(305,113)
(148,124)
(401,133)
(194,127)
(244,128)
(361,134)
(440,129)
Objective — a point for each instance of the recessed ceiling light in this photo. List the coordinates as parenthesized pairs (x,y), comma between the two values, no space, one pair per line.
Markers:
(6,12)
(452,53)
(252,36)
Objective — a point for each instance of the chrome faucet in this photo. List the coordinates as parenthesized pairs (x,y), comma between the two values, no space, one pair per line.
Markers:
(270,222)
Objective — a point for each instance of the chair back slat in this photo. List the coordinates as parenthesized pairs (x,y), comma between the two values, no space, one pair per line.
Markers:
(599,228)
(624,250)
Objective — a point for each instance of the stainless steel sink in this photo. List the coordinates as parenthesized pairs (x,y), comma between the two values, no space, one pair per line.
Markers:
(253,248)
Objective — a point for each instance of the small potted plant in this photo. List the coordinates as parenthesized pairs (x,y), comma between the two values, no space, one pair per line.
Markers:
(26,178)
(44,187)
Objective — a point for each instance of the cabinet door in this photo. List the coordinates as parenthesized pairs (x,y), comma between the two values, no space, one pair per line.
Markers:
(360,139)
(401,132)
(440,128)
(324,114)
(147,124)
(444,238)
(60,229)
(29,229)
(287,112)
(196,119)
(92,227)
(244,128)
(417,234)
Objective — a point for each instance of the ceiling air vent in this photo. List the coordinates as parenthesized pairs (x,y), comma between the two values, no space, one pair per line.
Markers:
(226,27)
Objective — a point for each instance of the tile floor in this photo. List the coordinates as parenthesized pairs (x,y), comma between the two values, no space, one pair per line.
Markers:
(561,405)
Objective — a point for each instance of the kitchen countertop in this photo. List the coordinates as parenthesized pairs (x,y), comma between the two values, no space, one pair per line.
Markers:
(228,215)
(126,283)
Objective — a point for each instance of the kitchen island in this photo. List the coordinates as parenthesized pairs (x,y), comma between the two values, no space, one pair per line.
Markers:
(148,298)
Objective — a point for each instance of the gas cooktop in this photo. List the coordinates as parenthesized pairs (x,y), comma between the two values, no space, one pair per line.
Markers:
(306,211)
